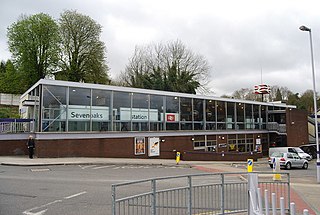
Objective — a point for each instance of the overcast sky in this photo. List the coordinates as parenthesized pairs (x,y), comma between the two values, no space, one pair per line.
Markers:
(241,39)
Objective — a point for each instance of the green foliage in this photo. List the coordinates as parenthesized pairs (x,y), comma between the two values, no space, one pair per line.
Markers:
(11,81)
(278,95)
(9,112)
(83,54)
(33,42)
(168,67)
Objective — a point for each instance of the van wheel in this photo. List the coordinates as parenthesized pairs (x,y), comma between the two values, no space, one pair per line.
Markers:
(271,166)
(288,165)
(305,166)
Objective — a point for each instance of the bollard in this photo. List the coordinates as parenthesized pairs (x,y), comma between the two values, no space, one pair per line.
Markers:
(282,207)
(177,158)
(274,204)
(266,201)
(260,209)
(305,212)
(292,208)
(276,168)
(250,165)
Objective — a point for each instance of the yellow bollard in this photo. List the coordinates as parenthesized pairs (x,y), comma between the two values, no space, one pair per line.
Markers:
(276,168)
(177,157)
(250,165)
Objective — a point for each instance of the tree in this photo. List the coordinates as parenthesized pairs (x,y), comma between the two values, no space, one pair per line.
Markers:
(83,54)
(11,80)
(33,43)
(246,94)
(306,101)
(169,67)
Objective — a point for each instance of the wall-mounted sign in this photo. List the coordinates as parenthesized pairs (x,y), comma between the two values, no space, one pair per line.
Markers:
(139,146)
(78,113)
(172,117)
(154,146)
(138,114)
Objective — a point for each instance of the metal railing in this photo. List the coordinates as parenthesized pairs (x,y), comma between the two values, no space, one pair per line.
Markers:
(201,194)
(16,126)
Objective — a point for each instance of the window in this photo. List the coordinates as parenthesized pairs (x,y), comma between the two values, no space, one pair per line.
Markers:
(186,113)
(121,111)
(249,122)
(140,114)
(198,114)
(54,111)
(79,109)
(172,113)
(230,115)
(156,106)
(100,110)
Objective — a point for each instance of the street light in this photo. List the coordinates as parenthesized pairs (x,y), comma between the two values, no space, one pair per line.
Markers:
(304,28)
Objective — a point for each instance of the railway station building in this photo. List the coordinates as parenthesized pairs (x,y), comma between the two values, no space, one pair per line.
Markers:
(91,120)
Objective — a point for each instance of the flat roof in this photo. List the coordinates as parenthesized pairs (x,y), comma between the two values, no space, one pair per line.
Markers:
(147,91)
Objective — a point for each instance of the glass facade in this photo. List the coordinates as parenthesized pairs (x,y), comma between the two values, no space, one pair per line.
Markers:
(69,109)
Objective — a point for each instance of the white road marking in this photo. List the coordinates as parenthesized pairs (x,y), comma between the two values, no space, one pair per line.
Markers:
(28,212)
(101,167)
(37,213)
(40,170)
(118,167)
(75,195)
(85,167)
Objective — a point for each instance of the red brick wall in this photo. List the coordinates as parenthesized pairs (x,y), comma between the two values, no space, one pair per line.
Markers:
(297,127)
(13,147)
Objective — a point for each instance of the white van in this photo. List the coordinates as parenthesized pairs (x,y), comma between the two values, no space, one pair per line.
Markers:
(296,150)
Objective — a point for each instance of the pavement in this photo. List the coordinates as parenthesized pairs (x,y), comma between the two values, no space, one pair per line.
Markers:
(305,191)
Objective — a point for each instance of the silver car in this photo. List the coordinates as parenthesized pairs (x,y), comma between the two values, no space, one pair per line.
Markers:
(289,160)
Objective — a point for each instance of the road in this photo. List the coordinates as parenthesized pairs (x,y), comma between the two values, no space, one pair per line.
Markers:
(82,190)
(73,190)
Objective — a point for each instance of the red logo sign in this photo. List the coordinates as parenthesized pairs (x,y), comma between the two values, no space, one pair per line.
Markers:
(171,118)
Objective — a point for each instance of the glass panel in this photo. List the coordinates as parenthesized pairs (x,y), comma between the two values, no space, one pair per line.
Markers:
(186,113)
(221,111)
(211,126)
(140,112)
(54,109)
(100,110)
(264,116)
(186,109)
(210,111)
(240,112)
(256,116)
(121,111)
(156,105)
(79,113)
(248,115)
(230,115)
(198,114)
(172,113)
(197,109)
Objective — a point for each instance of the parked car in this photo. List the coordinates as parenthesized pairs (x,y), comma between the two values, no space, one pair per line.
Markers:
(311,149)
(289,160)
(296,150)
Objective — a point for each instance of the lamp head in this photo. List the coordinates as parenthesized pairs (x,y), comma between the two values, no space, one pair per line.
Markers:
(304,28)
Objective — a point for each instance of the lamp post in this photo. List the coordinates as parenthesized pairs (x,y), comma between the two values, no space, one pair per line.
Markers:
(304,28)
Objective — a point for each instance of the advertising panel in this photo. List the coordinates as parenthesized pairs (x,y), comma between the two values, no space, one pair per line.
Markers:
(154,146)
(139,146)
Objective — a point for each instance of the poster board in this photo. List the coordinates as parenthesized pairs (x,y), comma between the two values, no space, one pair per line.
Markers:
(139,146)
(154,146)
